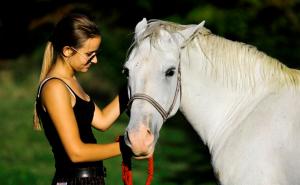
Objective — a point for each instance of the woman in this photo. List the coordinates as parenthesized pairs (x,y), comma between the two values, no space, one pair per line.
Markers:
(67,112)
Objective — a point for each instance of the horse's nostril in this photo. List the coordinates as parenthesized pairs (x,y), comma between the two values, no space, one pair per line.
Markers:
(149,131)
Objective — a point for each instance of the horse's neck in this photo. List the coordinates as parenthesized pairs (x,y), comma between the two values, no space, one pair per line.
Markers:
(213,110)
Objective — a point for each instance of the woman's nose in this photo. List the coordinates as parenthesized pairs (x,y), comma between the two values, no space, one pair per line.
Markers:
(94,60)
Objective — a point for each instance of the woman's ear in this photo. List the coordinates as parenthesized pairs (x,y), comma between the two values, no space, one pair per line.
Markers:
(67,51)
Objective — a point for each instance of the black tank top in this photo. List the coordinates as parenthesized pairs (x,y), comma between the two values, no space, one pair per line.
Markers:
(84,112)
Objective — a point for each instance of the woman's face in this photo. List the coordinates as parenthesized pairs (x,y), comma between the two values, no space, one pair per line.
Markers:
(86,55)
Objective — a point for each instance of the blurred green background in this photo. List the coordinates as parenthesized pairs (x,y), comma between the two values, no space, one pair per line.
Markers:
(180,157)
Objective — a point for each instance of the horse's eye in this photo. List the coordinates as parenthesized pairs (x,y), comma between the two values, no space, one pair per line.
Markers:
(125,71)
(170,72)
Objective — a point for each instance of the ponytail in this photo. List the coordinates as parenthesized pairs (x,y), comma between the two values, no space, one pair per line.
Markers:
(47,63)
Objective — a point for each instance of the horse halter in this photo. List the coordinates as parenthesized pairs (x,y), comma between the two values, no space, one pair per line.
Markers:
(165,114)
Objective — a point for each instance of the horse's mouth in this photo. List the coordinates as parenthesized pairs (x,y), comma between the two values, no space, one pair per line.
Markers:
(143,155)
(140,154)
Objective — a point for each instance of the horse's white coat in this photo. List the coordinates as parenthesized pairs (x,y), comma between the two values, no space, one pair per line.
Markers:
(244,104)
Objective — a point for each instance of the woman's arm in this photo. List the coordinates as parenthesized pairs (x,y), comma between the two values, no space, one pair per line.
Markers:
(56,99)
(103,119)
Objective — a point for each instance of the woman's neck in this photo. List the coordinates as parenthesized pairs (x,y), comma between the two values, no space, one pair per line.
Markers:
(62,68)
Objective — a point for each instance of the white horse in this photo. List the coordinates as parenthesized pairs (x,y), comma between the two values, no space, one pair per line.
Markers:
(244,104)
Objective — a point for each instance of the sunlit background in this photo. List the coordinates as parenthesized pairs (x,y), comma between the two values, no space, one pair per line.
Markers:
(273,26)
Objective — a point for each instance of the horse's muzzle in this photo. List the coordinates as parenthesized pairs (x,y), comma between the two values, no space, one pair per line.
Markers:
(140,140)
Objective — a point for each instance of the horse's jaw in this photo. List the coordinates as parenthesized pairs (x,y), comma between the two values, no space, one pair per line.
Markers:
(204,102)
(200,106)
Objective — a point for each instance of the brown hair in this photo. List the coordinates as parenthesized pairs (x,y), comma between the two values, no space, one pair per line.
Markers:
(72,30)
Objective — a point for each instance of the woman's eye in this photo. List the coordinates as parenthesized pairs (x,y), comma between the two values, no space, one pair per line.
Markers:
(170,72)
(125,71)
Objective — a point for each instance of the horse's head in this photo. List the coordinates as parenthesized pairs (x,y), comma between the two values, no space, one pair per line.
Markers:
(153,70)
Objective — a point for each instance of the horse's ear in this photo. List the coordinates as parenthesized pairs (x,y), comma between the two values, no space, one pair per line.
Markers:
(140,27)
(191,30)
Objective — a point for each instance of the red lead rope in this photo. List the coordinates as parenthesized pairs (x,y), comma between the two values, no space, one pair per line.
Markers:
(127,173)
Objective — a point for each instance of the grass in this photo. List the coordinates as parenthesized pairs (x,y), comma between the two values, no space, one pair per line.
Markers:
(26,158)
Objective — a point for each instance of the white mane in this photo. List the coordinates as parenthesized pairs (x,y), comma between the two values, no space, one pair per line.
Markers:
(240,65)
(152,32)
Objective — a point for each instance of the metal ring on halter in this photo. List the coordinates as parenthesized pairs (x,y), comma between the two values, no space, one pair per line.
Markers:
(165,114)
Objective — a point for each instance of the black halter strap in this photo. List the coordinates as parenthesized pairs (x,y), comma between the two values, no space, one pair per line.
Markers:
(165,114)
